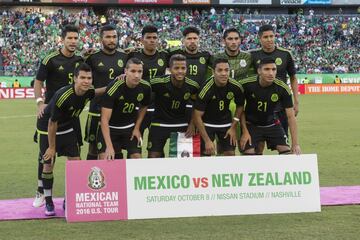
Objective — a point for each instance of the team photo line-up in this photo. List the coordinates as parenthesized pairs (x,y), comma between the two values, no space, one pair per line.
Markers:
(236,98)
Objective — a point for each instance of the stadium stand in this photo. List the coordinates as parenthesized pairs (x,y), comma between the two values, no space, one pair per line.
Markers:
(320,43)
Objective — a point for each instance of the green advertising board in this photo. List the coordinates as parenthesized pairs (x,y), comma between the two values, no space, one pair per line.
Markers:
(328,78)
(7,81)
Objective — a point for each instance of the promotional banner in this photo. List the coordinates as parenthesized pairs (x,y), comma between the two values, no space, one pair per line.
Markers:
(208,186)
(345,2)
(329,78)
(95,191)
(329,88)
(196,2)
(145,1)
(17,93)
(246,2)
(305,2)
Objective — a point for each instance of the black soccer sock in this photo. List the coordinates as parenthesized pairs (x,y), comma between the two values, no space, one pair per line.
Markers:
(40,188)
(91,156)
(48,182)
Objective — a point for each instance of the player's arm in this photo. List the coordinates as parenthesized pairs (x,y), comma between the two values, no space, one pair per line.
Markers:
(100,91)
(140,117)
(295,90)
(38,85)
(231,132)
(209,145)
(295,147)
(51,150)
(105,118)
(245,135)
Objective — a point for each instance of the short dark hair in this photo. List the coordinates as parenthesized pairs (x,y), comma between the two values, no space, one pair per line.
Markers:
(264,28)
(82,67)
(230,30)
(107,28)
(133,61)
(68,28)
(190,30)
(219,60)
(149,29)
(176,57)
(266,60)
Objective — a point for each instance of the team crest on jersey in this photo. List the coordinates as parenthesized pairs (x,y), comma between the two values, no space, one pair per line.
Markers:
(274,97)
(140,97)
(96,179)
(230,95)
(243,63)
(278,61)
(160,62)
(120,63)
(187,96)
(202,60)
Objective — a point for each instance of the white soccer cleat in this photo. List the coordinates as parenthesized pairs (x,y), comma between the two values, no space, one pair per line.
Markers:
(39,200)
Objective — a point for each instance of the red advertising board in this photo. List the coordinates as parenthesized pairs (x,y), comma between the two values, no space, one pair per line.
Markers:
(145,1)
(329,88)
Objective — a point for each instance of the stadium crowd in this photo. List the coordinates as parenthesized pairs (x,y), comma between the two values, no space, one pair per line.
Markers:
(320,44)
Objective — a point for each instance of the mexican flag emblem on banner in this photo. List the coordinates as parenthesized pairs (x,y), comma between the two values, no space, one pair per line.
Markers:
(182,147)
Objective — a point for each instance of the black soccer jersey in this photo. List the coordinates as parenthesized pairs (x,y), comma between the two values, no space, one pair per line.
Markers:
(154,65)
(124,102)
(197,64)
(239,64)
(105,68)
(170,101)
(214,101)
(261,102)
(64,107)
(283,59)
(58,71)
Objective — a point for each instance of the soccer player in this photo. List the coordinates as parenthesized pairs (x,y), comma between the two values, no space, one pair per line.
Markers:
(57,70)
(263,93)
(197,62)
(239,61)
(284,63)
(120,121)
(56,126)
(154,62)
(106,64)
(172,94)
(212,115)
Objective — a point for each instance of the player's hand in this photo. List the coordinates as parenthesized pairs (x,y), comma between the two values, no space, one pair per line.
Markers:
(296,109)
(190,131)
(209,147)
(40,109)
(136,134)
(231,133)
(295,149)
(49,155)
(245,138)
(109,153)
(121,77)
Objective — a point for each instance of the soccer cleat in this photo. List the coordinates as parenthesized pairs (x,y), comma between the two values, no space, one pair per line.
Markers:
(49,209)
(39,200)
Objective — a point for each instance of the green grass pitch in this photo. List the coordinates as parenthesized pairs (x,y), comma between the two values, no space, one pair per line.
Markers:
(329,125)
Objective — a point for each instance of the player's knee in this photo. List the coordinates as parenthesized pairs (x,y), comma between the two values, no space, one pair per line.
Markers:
(119,156)
(135,155)
(286,152)
(229,153)
(283,150)
(249,152)
(154,155)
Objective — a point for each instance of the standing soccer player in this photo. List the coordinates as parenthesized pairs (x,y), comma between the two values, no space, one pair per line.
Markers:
(154,62)
(284,63)
(212,115)
(56,127)
(263,93)
(57,70)
(172,94)
(106,64)
(120,121)
(197,62)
